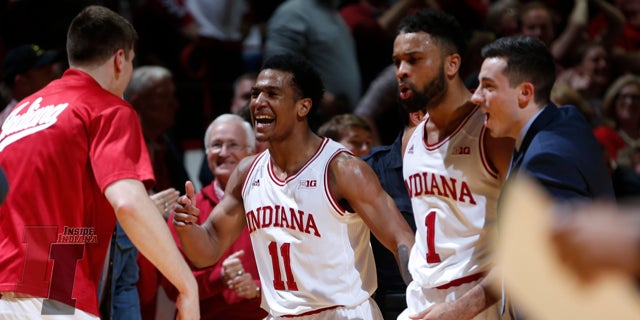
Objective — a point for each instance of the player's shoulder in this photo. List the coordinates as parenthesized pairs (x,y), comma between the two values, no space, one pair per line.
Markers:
(245,164)
(347,165)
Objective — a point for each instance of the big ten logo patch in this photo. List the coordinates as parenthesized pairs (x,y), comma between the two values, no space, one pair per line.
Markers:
(461,150)
(308,184)
(50,263)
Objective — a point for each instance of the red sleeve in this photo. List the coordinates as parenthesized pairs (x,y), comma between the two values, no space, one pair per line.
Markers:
(117,147)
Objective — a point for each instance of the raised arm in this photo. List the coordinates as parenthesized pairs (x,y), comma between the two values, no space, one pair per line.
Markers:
(353,180)
(615,23)
(147,230)
(204,244)
(571,36)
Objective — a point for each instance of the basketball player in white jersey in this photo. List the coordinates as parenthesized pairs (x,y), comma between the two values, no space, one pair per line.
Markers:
(453,171)
(298,199)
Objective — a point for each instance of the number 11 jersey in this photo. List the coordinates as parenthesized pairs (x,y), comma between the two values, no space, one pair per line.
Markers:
(311,253)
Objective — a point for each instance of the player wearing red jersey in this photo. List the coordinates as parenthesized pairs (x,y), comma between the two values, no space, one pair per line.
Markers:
(74,153)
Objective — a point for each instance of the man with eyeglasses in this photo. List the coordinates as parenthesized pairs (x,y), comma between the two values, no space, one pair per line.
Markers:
(230,288)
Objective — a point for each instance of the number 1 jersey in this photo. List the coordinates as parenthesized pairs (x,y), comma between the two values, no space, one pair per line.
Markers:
(454,196)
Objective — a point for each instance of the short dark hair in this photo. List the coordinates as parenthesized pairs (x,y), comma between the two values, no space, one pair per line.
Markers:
(528,60)
(306,79)
(96,33)
(443,28)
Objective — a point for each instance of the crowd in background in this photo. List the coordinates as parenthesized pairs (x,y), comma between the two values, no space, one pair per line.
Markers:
(207,45)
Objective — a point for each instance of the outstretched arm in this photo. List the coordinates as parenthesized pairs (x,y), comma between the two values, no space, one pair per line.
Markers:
(147,230)
(615,23)
(204,244)
(353,180)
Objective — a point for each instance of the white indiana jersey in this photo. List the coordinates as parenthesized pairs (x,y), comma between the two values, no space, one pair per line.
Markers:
(311,253)
(454,197)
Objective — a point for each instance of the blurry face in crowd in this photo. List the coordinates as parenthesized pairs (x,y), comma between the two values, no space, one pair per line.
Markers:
(161,104)
(627,104)
(357,140)
(36,78)
(538,23)
(595,65)
(631,11)
(509,22)
(227,145)
(242,95)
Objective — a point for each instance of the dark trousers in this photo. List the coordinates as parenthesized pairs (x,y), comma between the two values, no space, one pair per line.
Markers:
(391,304)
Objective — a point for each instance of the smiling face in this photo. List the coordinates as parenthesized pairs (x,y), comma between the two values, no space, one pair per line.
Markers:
(275,105)
(226,146)
(498,100)
(419,70)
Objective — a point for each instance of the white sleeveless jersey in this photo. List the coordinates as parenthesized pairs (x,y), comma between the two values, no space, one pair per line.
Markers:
(454,197)
(311,253)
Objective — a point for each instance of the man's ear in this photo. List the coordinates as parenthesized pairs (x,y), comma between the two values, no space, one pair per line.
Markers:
(452,64)
(303,107)
(119,60)
(526,91)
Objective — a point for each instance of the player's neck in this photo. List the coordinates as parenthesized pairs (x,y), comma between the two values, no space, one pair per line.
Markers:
(454,107)
(290,155)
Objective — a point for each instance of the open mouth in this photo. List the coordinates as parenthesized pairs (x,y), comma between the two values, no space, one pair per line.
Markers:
(263,120)
(486,119)
(404,91)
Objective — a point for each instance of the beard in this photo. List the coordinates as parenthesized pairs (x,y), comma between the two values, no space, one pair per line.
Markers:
(428,97)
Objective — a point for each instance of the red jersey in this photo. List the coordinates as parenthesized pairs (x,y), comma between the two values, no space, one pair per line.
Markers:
(60,148)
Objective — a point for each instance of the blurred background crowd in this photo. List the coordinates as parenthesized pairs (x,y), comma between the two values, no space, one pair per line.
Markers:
(209,51)
(214,48)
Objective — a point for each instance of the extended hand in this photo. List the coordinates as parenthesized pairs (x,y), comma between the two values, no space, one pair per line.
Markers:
(165,200)
(186,212)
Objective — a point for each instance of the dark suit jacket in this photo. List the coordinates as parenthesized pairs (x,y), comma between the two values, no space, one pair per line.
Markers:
(560,151)
(386,162)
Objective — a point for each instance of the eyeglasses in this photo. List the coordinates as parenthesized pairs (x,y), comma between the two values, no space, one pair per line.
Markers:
(217,146)
(632,97)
